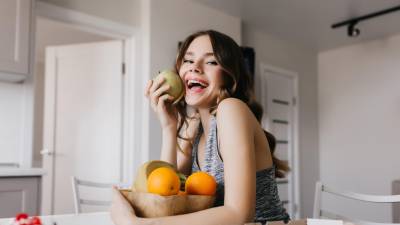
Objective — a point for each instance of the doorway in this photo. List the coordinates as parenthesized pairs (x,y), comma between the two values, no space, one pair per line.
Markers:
(279,98)
(72,98)
(51,33)
(83,91)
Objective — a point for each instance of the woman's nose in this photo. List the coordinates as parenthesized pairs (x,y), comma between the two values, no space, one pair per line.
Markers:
(195,68)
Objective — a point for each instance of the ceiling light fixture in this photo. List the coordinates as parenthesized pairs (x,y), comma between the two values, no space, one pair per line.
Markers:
(352,31)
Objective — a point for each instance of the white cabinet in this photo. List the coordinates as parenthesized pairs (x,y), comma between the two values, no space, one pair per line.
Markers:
(19,194)
(16,34)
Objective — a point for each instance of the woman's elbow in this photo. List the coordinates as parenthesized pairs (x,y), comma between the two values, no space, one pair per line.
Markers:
(242,214)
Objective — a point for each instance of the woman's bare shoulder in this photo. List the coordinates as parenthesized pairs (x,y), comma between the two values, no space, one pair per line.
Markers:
(233,108)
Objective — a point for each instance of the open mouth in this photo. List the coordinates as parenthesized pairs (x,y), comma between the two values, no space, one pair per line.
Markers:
(196,84)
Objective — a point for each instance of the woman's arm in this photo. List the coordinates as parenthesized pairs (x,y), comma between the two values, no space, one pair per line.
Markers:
(170,151)
(235,123)
(184,155)
(160,102)
(168,147)
(123,214)
(166,113)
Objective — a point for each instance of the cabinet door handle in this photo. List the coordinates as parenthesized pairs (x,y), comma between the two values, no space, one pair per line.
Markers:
(46,152)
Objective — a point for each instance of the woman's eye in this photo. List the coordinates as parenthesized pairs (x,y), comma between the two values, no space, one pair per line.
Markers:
(212,63)
(187,61)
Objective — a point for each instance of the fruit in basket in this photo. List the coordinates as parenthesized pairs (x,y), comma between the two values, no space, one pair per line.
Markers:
(144,171)
(163,181)
(159,190)
(200,183)
(177,87)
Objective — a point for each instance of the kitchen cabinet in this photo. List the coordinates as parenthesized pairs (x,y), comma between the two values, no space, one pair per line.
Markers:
(16,81)
(15,39)
(20,191)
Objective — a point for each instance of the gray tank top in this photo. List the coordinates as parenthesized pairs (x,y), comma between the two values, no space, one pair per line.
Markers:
(268,205)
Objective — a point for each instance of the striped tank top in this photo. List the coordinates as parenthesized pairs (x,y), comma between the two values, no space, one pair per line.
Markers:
(268,205)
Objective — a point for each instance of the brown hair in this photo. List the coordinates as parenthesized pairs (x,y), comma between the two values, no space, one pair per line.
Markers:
(237,84)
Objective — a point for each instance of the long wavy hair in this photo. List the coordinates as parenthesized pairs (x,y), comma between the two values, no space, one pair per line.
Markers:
(237,83)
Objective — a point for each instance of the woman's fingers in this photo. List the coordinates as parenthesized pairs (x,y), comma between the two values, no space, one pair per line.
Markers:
(147,89)
(163,99)
(157,82)
(154,89)
(156,94)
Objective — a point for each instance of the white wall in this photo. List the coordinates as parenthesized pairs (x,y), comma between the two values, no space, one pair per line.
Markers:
(359,122)
(11,126)
(171,21)
(279,53)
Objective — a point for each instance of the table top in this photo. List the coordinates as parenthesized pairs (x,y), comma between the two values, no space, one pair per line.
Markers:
(98,218)
(103,218)
(21,172)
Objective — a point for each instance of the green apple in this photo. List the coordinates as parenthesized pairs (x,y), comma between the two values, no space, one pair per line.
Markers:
(177,87)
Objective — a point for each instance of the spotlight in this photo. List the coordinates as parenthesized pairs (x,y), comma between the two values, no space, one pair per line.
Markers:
(352,31)
(350,23)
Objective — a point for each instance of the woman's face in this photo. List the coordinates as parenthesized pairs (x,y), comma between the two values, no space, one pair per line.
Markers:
(201,73)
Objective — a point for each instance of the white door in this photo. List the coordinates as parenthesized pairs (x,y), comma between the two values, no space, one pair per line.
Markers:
(278,97)
(82,121)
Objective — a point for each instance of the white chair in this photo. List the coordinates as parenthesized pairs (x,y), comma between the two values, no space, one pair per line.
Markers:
(321,213)
(79,201)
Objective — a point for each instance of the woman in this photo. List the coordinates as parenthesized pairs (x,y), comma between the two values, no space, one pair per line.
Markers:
(222,136)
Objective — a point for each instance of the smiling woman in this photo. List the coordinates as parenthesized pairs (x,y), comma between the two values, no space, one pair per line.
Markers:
(238,156)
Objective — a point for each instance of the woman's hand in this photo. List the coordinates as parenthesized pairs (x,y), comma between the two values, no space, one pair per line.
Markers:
(121,211)
(161,102)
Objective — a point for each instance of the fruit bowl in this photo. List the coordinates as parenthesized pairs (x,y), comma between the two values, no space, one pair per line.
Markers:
(152,205)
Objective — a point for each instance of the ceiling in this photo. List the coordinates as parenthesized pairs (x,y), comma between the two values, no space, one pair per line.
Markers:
(308,22)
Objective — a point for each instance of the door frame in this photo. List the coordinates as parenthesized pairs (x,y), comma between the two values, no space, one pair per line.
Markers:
(293,75)
(133,111)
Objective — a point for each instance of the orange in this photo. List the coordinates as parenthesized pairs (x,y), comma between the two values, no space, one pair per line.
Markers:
(163,181)
(200,183)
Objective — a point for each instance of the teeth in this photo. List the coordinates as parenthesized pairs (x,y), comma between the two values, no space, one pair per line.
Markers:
(190,82)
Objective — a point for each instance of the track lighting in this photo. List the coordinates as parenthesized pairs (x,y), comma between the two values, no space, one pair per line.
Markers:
(352,31)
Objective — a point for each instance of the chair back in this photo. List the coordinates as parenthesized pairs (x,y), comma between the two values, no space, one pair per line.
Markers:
(77,184)
(319,212)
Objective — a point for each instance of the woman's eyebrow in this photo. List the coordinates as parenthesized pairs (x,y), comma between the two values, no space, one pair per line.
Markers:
(206,54)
